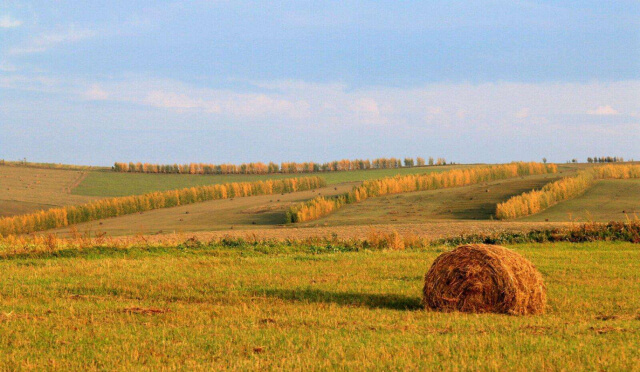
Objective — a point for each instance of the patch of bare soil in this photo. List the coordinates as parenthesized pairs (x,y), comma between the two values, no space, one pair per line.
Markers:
(145,311)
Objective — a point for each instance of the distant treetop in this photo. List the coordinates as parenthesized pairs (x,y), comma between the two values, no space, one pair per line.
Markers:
(285,167)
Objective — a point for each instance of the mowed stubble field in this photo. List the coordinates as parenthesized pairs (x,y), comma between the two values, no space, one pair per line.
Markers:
(25,190)
(252,307)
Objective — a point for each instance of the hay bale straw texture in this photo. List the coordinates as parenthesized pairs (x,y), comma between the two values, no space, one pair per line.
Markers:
(481,278)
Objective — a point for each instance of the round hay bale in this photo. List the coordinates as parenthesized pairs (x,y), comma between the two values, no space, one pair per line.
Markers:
(481,278)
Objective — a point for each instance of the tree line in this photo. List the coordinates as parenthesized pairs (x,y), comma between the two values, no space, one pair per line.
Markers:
(284,167)
(322,206)
(120,206)
(535,201)
(605,159)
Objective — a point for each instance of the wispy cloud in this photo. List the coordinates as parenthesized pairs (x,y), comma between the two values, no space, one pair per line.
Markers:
(6,67)
(523,113)
(603,110)
(170,100)
(49,40)
(43,84)
(450,108)
(96,93)
(9,22)
(441,107)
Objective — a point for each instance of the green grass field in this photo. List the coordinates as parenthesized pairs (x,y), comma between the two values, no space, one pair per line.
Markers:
(121,184)
(608,200)
(248,308)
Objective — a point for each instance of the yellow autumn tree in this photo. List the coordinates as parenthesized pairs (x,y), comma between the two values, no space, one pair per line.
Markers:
(535,201)
(322,206)
(114,207)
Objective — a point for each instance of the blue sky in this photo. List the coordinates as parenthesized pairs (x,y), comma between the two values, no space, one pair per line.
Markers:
(233,81)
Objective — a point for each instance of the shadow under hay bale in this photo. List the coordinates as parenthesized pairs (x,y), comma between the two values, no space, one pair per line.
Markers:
(481,278)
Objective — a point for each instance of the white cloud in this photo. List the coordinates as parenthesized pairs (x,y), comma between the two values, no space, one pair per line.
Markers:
(8,22)
(171,100)
(367,111)
(452,108)
(42,84)
(212,101)
(523,113)
(603,110)
(46,41)
(434,110)
(259,105)
(96,93)
(180,97)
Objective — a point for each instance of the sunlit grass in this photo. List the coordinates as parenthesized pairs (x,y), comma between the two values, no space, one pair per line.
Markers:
(243,308)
